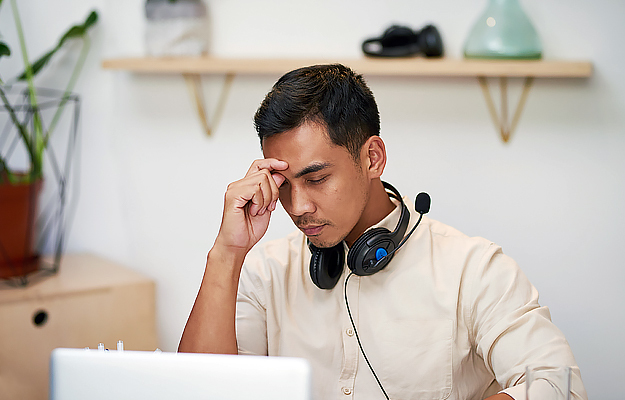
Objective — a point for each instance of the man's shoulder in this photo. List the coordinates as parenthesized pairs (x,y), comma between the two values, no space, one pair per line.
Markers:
(441,230)
(469,253)
(452,242)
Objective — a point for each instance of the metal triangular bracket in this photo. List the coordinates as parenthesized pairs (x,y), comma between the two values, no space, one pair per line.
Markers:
(194,83)
(506,130)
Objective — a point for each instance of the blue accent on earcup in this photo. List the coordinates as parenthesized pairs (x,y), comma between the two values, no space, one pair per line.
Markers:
(380,253)
(361,256)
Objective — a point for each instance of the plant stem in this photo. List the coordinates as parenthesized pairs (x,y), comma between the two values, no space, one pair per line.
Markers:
(20,127)
(36,150)
(20,34)
(4,171)
(22,131)
(70,86)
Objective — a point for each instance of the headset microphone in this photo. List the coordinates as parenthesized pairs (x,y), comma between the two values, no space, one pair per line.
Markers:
(422,206)
(422,203)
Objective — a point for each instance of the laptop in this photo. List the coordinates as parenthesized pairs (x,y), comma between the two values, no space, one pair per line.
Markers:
(78,374)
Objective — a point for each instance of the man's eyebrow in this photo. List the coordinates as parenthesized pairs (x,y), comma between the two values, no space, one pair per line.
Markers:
(314,167)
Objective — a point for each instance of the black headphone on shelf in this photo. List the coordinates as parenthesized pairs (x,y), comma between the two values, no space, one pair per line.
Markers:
(371,252)
(402,41)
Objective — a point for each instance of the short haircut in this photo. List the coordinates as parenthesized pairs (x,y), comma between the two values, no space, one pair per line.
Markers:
(331,95)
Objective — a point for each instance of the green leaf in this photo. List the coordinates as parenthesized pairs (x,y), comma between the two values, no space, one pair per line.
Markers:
(75,32)
(91,19)
(78,31)
(4,49)
(39,64)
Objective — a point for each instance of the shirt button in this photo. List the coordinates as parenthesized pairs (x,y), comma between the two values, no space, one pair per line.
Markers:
(350,332)
(347,391)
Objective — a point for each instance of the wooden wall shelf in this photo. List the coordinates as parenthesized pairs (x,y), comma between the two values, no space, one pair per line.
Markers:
(193,67)
(443,67)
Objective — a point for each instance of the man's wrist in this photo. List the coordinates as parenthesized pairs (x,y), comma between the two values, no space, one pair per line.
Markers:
(226,259)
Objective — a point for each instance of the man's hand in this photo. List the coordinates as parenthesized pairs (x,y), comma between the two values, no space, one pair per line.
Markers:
(248,205)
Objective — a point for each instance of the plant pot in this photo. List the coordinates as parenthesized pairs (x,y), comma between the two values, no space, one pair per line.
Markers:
(18,210)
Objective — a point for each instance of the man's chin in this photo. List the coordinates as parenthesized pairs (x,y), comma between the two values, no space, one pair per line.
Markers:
(322,243)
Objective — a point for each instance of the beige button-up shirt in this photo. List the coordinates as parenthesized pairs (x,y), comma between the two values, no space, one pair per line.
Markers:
(450,317)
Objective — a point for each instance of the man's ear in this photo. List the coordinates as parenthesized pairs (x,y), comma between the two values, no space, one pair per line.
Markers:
(374,153)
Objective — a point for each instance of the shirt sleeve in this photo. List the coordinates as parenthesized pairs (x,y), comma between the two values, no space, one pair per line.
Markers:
(251,314)
(511,330)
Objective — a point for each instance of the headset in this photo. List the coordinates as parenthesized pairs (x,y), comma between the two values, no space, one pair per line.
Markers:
(402,41)
(371,252)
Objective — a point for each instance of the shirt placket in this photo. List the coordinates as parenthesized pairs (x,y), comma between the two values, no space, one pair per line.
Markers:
(350,344)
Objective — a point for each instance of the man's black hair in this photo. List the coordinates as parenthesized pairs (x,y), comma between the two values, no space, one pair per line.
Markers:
(331,95)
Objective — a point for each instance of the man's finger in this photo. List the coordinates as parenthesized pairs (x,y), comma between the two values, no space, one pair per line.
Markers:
(256,202)
(279,179)
(270,164)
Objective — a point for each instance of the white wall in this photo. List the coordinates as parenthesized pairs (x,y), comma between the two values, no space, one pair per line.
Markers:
(152,184)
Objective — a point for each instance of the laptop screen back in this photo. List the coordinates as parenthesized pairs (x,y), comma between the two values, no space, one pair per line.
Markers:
(120,375)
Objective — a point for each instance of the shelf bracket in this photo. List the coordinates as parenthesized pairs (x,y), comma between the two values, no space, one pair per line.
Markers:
(194,83)
(505,128)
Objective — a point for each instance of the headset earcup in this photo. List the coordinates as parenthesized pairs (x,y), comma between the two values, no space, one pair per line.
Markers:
(430,42)
(397,41)
(326,265)
(360,249)
(398,36)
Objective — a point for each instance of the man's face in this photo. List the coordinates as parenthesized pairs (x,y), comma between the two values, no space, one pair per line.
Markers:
(325,191)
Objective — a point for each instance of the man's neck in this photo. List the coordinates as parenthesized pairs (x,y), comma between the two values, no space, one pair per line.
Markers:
(377,208)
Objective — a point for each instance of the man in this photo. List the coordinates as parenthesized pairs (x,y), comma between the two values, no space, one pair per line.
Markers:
(448,317)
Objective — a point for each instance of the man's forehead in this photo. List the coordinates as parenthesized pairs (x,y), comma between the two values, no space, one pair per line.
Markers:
(305,141)
(307,149)
(306,132)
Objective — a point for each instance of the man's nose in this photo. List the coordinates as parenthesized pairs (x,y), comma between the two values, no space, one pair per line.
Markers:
(301,203)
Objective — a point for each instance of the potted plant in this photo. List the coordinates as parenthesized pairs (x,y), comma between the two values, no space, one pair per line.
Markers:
(24,127)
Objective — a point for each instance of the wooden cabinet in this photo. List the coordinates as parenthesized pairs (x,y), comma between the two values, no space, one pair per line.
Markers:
(90,301)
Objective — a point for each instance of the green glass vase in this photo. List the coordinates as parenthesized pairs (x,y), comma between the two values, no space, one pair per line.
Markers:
(503,31)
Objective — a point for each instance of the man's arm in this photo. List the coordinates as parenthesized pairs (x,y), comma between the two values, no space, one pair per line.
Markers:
(511,329)
(247,209)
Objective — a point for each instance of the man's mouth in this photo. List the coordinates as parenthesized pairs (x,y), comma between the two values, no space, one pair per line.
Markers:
(311,230)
